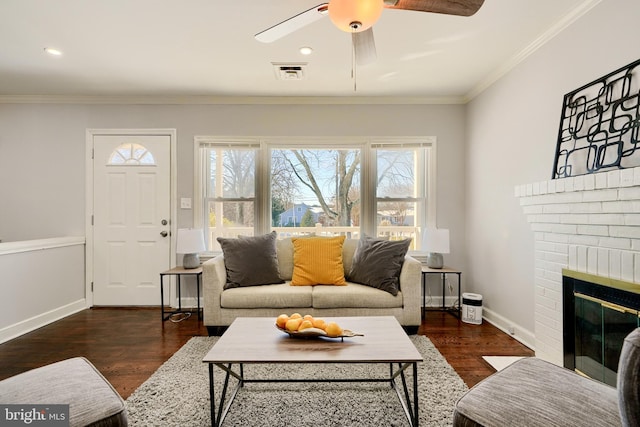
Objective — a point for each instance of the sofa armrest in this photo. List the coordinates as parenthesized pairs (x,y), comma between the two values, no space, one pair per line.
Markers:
(214,277)
(411,288)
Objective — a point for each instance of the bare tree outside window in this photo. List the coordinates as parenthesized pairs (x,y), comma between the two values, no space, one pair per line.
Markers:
(328,178)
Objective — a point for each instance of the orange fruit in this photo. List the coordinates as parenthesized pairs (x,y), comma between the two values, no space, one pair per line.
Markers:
(319,323)
(292,325)
(295,316)
(306,324)
(333,329)
(281,321)
(308,317)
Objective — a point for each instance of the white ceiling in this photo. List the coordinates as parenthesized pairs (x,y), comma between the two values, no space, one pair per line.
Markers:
(179,48)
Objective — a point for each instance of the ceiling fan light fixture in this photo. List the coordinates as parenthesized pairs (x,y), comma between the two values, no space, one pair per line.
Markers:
(354,16)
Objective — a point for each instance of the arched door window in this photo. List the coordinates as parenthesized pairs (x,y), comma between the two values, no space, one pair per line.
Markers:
(132,154)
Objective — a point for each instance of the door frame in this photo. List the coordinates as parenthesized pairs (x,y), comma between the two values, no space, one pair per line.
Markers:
(89,193)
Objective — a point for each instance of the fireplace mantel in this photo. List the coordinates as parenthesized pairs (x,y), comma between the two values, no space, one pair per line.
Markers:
(587,223)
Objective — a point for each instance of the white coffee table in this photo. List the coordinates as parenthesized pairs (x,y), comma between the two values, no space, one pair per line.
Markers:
(256,340)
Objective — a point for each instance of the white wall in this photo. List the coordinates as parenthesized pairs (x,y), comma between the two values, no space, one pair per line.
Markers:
(42,281)
(42,149)
(512,129)
(42,153)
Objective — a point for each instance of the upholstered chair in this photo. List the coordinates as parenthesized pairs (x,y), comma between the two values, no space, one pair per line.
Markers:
(628,376)
(534,393)
(75,382)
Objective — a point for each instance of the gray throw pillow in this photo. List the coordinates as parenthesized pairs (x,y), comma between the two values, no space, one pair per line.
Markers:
(250,261)
(377,263)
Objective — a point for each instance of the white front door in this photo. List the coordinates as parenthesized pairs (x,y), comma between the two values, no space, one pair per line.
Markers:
(131,218)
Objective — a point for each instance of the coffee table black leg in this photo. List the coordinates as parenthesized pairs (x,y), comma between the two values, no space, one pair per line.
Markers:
(217,419)
(415,395)
(410,408)
(212,397)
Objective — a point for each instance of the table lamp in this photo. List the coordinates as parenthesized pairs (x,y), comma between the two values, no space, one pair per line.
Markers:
(190,242)
(436,243)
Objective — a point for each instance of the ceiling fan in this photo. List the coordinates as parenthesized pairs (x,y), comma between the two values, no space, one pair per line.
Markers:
(358,16)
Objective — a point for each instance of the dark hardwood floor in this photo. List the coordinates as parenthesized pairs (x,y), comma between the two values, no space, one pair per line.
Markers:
(128,344)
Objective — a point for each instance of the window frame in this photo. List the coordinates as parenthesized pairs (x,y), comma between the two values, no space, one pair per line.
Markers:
(368,175)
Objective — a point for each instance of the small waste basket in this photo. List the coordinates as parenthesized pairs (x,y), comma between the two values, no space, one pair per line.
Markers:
(472,308)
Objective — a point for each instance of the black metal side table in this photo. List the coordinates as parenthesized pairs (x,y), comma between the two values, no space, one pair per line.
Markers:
(179,272)
(443,272)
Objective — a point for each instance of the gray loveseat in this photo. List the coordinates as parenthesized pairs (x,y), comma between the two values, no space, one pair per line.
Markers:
(222,306)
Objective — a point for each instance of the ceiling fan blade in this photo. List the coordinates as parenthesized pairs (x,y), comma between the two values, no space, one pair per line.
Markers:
(448,7)
(364,47)
(292,24)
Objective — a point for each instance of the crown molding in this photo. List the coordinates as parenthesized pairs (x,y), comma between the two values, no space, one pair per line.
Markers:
(227,100)
(543,39)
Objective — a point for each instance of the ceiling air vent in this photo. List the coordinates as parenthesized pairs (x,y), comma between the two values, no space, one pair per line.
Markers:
(289,71)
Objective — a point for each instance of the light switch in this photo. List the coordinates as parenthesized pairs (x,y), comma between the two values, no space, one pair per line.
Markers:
(185,203)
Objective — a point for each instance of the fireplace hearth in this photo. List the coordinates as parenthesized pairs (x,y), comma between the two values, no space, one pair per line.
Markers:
(598,313)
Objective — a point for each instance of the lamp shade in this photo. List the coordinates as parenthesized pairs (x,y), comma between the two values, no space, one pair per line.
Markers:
(436,240)
(354,16)
(189,241)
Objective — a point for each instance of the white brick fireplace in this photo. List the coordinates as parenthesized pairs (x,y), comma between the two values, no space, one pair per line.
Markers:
(587,223)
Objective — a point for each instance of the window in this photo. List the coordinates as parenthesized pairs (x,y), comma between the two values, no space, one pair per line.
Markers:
(321,184)
(400,196)
(131,154)
(331,187)
(228,191)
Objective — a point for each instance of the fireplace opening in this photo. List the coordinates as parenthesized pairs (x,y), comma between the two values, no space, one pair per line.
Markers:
(598,313)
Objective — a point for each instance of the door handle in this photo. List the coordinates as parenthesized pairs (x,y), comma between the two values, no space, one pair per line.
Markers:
(164,233)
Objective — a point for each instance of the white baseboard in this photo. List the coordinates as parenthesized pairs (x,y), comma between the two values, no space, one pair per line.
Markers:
(518,333)
(436,301)
(13,331)
(190,302)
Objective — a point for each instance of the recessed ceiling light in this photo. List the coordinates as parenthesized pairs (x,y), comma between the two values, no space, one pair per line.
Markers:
(306,50)
(53,51)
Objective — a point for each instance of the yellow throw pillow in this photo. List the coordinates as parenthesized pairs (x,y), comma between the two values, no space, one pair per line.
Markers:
(318,261)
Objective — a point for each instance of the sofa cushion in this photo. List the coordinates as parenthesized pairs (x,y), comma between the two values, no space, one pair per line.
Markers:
(377,263)
(348,250)
(267,296)
(250,260)
(354,295)
(318,261)
(284,248)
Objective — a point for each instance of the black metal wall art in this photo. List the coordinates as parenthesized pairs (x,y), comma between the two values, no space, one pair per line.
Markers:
(599,125)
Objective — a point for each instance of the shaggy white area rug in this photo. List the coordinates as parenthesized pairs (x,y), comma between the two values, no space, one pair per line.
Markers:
(177,394)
